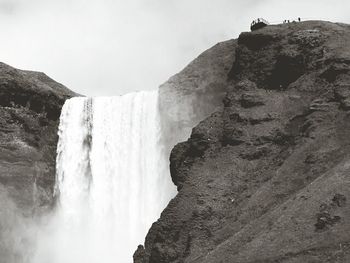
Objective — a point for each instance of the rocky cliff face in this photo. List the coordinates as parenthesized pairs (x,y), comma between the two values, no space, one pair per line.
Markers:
(194,93)
(266,178)
(30,106)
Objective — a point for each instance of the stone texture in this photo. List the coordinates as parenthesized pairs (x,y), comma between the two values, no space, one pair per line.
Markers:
(30,106)
(265,178)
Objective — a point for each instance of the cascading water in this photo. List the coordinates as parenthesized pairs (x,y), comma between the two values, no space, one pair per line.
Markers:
(112,179)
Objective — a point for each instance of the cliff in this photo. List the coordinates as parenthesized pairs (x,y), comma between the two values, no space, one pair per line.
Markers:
(30,106)
(197,91)
(265,177)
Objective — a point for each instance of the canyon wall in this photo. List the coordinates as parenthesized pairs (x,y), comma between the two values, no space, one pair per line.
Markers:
(30,106)
(265,178)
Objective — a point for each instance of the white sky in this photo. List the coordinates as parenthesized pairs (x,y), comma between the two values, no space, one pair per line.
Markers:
(110,47)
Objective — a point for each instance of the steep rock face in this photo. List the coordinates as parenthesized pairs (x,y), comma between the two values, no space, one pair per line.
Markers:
(30,106)
(266,179)
(194,93)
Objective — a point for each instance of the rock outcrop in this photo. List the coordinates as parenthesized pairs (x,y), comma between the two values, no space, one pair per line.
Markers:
(266,178)
(194,93)
(30,106)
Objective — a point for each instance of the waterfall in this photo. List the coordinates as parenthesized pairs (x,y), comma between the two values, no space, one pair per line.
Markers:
(112,179)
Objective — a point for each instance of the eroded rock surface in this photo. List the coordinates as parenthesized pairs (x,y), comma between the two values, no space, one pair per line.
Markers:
(266,179)
(30,106)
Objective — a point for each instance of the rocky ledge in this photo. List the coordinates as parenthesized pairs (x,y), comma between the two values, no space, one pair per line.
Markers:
(266,178)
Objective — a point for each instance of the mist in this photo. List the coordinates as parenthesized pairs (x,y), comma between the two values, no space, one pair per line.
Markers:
(112,47)
(18,231)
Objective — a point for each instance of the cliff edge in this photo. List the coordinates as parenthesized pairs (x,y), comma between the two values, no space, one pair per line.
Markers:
(266,178)
(30,107)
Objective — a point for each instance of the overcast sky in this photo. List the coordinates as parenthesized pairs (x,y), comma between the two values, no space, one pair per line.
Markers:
(111,47)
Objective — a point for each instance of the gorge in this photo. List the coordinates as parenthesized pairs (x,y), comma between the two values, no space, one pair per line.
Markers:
(257,134)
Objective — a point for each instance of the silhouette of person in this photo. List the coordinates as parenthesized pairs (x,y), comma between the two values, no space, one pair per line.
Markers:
(299,19)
